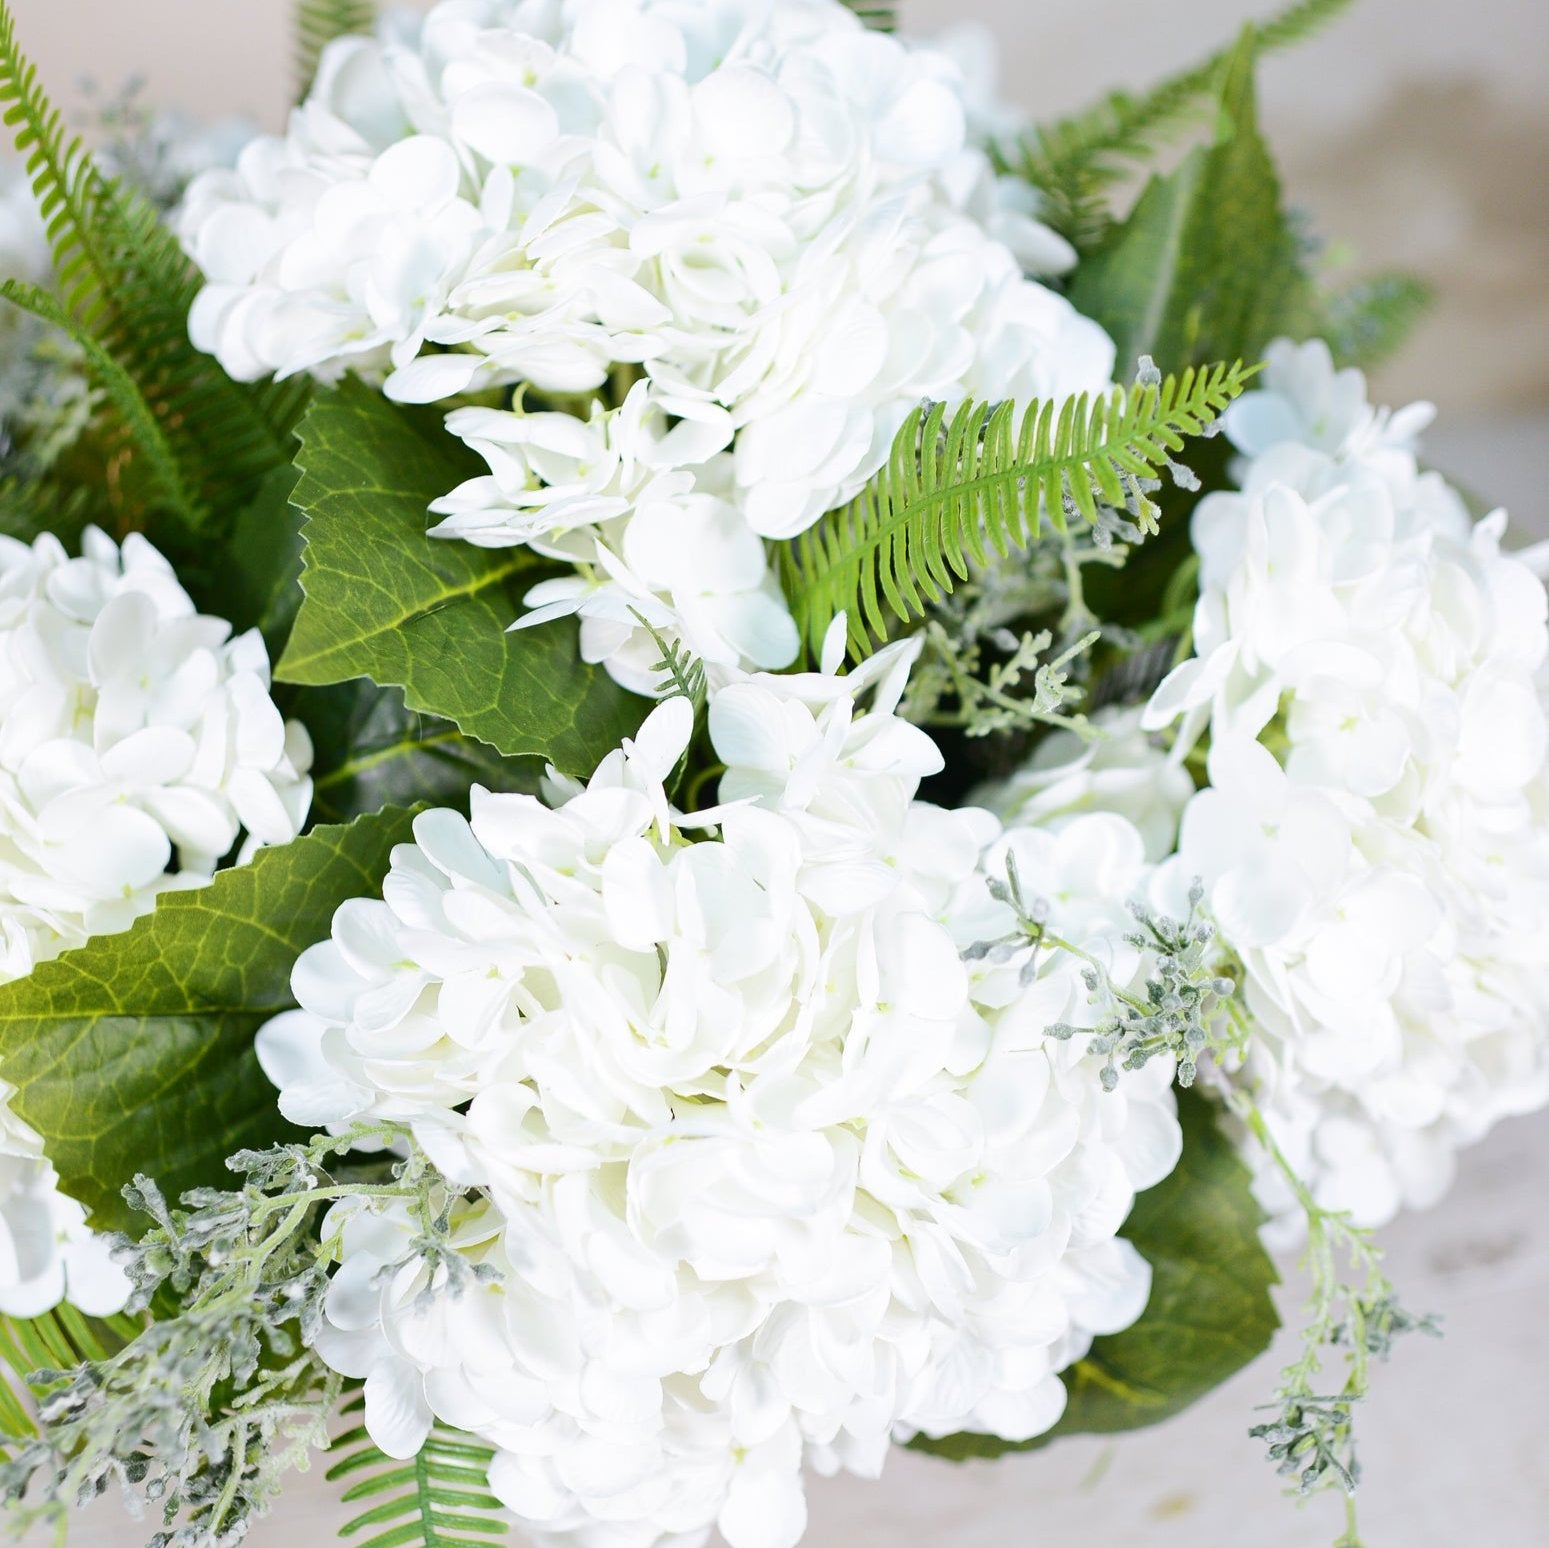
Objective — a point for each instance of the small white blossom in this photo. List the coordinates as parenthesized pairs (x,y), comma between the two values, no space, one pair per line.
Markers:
(137,741)
(767,1173)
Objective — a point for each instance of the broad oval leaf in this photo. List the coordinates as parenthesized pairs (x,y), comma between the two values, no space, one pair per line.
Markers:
(384,601)
(373,751)
(1210,1311)
(134,1053)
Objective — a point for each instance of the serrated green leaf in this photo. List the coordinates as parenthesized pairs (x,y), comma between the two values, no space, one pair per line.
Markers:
(1210,1311)
(1207,266)
(384,601)
(135,1052)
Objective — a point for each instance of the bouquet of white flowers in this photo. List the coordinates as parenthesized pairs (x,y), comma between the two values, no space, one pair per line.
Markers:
(667,813)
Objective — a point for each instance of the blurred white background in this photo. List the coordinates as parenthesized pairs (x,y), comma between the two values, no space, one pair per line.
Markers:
(1415,133)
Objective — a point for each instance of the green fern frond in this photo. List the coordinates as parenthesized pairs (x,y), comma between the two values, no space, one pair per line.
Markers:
(318,23)
(59,1340)
(882,18)
(1077,161)
(682,673)
(1371,319)
(138,422)
(124,281)
(957,491)
(434,1500)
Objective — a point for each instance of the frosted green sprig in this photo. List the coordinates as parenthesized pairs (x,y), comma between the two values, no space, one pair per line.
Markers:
(1354,1312)
(1176,1012)
(204,1412)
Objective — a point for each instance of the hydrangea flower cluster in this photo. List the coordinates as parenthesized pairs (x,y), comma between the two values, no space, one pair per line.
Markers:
(137,742)
(771,216)
(1370,668)
(769,1165)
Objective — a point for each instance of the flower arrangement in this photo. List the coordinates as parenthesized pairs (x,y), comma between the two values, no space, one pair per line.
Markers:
(668,812)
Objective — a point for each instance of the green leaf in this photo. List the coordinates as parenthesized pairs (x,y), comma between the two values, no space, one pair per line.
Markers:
(257,582)
(954,491)
(384,601)
(123,279)
(137,420)
(135,1052)
(880,18)
(373,751)
(1210,1311)
(1207,266)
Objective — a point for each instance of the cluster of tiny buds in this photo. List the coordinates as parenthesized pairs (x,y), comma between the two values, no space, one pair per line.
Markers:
(1175,1012)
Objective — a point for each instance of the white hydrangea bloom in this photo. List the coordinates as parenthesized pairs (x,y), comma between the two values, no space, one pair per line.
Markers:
(47,1252)
(1385,874)
(770,212)
(766,1172)
(646,514)
(1122,769)
(137,741)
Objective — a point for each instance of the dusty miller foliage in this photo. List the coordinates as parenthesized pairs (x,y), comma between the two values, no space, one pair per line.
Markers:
(203,1414)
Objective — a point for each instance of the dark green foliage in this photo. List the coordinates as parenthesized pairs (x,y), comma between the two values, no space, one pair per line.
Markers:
(167,491)
(372,751)
(134,1053)
(958,490)
(124,282)
(1210,1311)
(436,1500)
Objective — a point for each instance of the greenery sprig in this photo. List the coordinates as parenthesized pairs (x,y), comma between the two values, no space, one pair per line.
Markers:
(1354,1313)
(204,1411)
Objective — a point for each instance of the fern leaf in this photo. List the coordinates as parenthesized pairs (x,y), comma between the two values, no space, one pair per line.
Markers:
(318,23)
(123,279)
(434,1500)
(958,491)
(59,1340)
(1078,160)
(1370,320)
(138,421)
